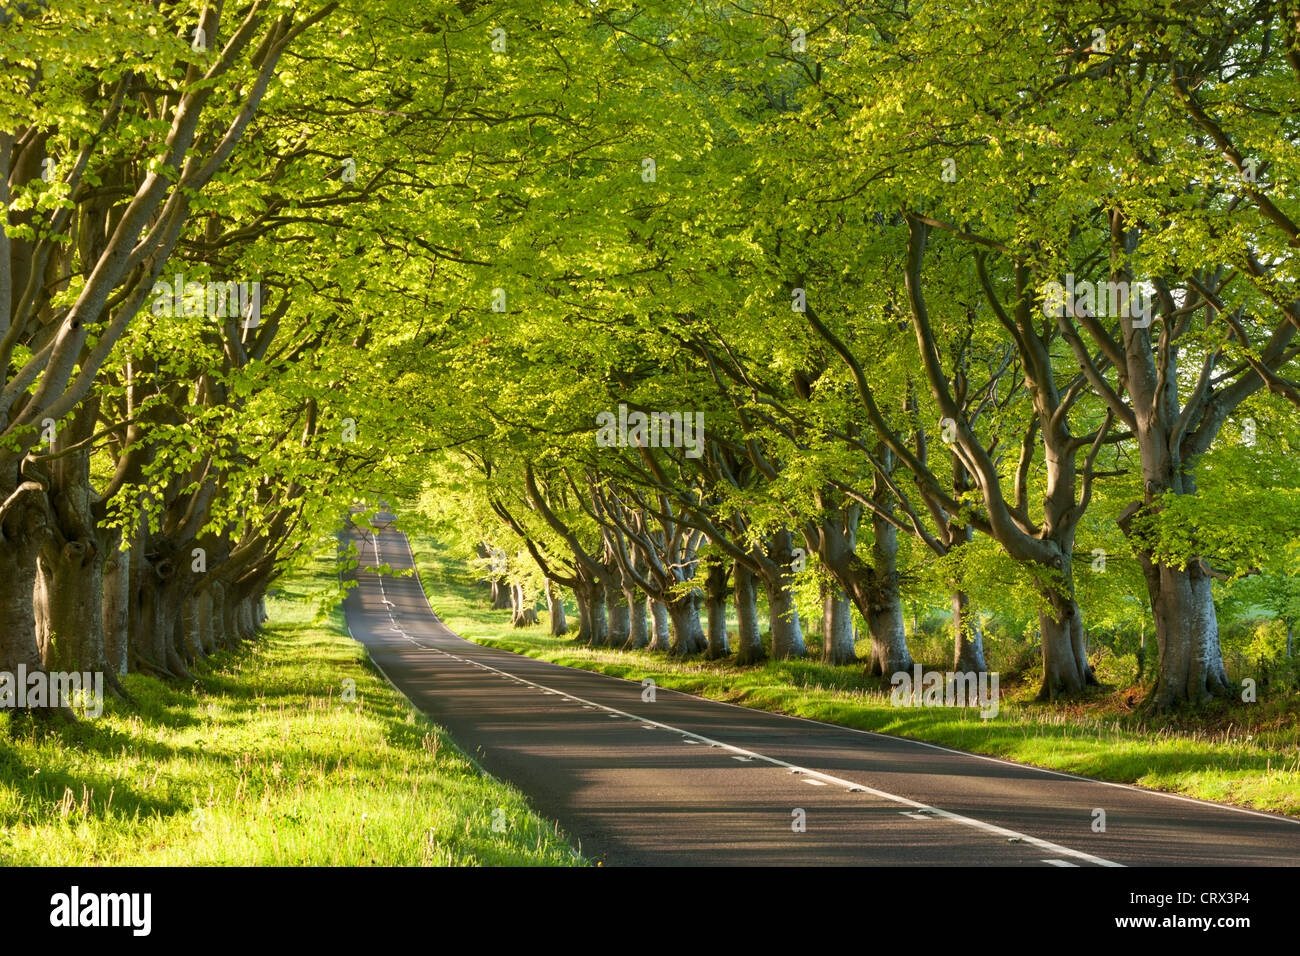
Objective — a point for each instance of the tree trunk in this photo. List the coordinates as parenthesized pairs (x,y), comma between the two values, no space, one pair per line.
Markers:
(1190,667)
(173,591)
(715,589)
(749,637)
(783,614)
(70,590)
(500,595)
(1142,649)
(783,619)
(484,554)
(115,610)
(247,625)
(688,635)
(584,618)
(968,641)
(41,612)
(230,618)
(837,626)
(148,646)
(74,609)
(203,617)
(523,612)
(889,653)
(559,625)
(873,590)
(639,632)
(591,611)
(217,595)
(661,640)
(189,625)
(1065,663)
(23,527)
(619,617)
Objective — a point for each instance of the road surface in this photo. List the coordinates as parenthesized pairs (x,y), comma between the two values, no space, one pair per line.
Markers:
(685,781)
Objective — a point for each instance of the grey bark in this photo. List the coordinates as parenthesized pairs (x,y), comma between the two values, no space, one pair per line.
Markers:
(619,617)
(115,609)
(638,632)
(661,638)
(688,635)
(749,637)
(783,614)
(889,653)
(837,626)
(559,624)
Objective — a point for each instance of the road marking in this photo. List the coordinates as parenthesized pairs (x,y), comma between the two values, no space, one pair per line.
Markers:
(1060,863)
(825,778)
(793,768)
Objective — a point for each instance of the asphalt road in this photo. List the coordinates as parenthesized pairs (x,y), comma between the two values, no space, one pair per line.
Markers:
(685,781)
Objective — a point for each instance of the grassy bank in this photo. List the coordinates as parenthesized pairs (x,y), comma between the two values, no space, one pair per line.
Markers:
(1245,754)
(262,762)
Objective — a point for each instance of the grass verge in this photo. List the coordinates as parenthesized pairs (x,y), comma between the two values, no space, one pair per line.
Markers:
(1243,754)
(261,762)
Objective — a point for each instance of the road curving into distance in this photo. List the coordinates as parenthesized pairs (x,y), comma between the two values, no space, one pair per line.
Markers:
(681,780)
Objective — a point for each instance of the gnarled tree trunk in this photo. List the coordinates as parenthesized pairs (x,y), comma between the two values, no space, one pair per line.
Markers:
(1065,661)
(688,635)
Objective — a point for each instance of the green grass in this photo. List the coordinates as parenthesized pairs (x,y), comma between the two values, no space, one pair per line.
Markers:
(1244,754)
(261,763)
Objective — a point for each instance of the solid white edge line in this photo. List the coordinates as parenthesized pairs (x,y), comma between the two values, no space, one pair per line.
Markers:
(825,777)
